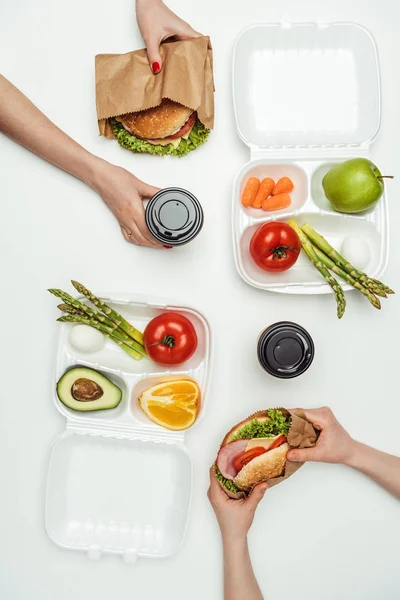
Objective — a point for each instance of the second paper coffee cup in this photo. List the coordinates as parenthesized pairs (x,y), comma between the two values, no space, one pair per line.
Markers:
(285,349)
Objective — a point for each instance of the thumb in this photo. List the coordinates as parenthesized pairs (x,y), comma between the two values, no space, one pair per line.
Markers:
(153,54)
(146,190)
(303,455)
(256,495)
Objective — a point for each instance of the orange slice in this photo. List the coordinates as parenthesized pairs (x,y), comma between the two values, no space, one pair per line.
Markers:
(172,404)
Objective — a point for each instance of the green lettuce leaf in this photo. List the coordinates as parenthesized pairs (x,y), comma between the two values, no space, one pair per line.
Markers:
(275,425)
(197,136)
(227,483)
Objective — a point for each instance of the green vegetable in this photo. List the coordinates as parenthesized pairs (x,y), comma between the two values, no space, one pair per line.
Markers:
(275,425)
(80,307)
(197,136)
(112,315)
(347,277)
(335,285)
(375,286)
(117,336)
(67,308)
(227,483)
(110,323)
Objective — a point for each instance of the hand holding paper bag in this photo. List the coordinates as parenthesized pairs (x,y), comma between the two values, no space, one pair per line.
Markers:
(158,23)
(169,113)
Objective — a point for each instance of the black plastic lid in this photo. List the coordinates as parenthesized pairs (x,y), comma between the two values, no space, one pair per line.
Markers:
(174,216)
(285,350)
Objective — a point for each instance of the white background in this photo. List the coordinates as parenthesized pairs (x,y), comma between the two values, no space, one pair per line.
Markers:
(328,532)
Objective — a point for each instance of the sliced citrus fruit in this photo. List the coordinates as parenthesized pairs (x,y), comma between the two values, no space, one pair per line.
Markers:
(172,404)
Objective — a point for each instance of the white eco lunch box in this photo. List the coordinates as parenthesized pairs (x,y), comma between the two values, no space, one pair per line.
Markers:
(118,483)
(306,97)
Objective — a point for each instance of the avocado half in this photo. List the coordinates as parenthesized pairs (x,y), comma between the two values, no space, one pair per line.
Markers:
(85,389)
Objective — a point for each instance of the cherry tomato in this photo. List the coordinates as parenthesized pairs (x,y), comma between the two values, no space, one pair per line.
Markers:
(246,457)
(275,247)
(170,339)
(278,442)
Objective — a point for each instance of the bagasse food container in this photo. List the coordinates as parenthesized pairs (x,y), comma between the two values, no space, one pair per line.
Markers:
(306,97)
(118,483)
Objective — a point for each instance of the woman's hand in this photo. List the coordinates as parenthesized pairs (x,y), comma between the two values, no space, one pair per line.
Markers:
(334,444)
(120,190)
(234,516)
(157,23)
(124,193)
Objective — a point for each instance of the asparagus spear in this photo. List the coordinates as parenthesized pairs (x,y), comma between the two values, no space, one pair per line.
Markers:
(309,250)
(328,262)
(123,340)
(385,288)
(374,285)
(67,308)
(112,314)
(92,313)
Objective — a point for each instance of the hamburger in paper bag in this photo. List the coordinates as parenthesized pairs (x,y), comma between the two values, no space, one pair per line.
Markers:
(168,113)
(255,450)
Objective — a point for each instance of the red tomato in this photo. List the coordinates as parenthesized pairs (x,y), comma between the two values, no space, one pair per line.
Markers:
(275,246)
(170,339)
(246,457)
(278,442)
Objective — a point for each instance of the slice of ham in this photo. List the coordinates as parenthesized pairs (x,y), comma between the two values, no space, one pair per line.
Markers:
(185,127)
(229,453)
(226,457)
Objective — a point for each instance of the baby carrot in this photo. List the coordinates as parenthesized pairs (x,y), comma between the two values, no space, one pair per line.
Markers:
(277,202)
(265,190)
(250,191)
(283,186)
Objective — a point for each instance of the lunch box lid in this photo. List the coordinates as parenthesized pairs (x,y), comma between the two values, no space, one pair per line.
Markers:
(117,483)
(112,494)
(306,86)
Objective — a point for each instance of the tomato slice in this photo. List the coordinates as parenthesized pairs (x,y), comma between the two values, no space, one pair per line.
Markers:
(246,457)
(278,442)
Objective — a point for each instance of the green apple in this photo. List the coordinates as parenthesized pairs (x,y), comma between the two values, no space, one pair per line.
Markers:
(354,185)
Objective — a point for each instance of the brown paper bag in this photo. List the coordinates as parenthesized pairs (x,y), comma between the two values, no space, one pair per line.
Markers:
(125,82)
(301,435)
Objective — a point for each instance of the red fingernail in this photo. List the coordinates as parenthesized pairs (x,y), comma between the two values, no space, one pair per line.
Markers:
(168,247)
(156,67)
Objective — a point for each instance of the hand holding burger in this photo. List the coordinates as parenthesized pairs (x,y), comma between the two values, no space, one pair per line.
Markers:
(234,517)
(334,445)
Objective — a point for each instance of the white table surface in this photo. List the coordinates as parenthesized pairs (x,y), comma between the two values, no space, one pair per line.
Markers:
(327,533)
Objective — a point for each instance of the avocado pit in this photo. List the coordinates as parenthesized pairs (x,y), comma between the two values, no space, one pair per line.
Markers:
(85,390)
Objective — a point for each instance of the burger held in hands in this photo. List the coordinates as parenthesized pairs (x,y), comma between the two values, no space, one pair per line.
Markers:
(255,450)
(157,114)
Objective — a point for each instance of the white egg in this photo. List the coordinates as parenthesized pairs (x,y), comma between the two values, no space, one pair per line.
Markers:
(356,251)
(86,339)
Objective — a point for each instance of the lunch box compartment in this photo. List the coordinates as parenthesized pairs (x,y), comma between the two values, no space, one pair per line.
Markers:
(320,199)
(306,97)
(109,413)
(261,170)
(331,227)
(144,384)
(117,482)
(112,495)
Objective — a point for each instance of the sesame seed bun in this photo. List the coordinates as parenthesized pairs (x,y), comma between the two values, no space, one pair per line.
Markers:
(158,122)
(263,467)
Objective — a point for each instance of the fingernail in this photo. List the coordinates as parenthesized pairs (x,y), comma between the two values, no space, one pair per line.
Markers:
(156,67)
(168,247)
